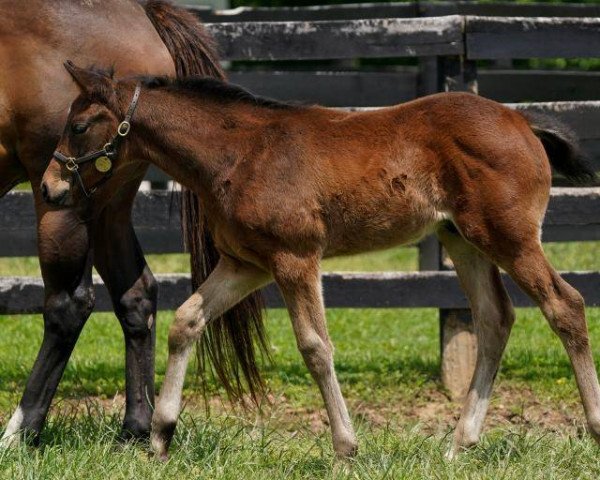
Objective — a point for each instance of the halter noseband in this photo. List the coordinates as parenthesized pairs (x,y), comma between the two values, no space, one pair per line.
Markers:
(108,152)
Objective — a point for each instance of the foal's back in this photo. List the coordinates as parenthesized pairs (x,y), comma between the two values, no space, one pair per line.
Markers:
(367,180)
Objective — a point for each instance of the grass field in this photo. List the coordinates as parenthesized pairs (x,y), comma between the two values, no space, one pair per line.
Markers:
(387,362)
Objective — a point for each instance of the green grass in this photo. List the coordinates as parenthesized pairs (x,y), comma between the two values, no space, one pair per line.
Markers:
(564,256)
(387,363)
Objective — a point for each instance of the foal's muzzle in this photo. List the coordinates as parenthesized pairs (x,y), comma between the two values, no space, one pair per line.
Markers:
(56,196)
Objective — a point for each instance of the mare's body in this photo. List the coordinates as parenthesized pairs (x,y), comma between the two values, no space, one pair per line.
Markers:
(36,37)
(284,186)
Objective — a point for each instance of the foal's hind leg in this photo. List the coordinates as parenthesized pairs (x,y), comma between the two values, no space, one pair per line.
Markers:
(493,317)
(228,284)
(564,309)
(300,284)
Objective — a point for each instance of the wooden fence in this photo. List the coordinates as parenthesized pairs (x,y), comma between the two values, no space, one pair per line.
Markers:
(446,48)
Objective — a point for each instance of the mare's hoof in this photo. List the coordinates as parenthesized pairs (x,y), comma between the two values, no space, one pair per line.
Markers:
(134,431)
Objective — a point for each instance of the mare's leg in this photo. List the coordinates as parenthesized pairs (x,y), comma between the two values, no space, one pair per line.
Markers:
(493,317)
(133,290)
(69,298)
(300,283)
(227,285)
(11,171)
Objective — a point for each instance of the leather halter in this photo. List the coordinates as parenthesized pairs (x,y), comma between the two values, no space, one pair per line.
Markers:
(109,150)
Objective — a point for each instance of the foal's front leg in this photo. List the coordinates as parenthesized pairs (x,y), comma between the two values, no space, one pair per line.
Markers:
(300,284)
(226,286)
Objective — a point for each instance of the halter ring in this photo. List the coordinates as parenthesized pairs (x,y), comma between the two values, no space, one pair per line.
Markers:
(124,128)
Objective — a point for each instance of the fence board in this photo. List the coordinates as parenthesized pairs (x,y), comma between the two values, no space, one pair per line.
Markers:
(506,9)
(362,89)
(372,38)
(19,295)
(582,117)
(309,13)
(521,37)
(573,213)
(393,10)
(538,85)
(333,89)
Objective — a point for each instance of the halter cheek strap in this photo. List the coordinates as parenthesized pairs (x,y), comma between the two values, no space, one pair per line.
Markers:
(109,150)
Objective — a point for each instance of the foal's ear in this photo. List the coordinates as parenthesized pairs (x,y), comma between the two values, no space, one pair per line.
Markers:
(91,83)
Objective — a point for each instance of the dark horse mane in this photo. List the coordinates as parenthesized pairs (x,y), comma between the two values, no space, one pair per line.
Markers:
(215,89)
(227,346)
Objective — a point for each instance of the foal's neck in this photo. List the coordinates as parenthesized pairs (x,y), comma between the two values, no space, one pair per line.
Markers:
(196,139)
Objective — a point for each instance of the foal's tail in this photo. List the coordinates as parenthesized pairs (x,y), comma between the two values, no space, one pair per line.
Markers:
(562,147)
(228,343)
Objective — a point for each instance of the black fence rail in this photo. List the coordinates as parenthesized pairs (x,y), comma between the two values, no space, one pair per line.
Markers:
(470,37)
(525,86)
(573,214)
(373,89)
(342,290)
(356,11)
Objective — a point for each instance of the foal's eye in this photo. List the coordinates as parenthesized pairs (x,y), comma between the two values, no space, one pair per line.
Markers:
(79,128)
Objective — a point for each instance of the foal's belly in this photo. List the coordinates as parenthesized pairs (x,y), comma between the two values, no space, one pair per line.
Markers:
(377,222)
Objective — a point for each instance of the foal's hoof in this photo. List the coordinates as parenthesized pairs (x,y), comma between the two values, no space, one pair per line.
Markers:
(11,441)
(160,445)
(594,429)
(457,449)
(162,458)
(451,454)
(159,449)
(346,450)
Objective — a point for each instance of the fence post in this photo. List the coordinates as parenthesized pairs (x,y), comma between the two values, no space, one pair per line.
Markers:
(458,344)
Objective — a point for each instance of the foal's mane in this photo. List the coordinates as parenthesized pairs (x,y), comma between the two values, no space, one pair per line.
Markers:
(215,89)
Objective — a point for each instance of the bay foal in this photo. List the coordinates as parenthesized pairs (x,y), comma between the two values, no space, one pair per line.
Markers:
(285,186)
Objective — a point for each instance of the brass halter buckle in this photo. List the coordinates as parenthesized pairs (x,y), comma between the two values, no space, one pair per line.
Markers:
(71,165)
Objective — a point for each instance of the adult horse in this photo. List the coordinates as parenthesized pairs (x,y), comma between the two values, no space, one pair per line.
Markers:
(35,92)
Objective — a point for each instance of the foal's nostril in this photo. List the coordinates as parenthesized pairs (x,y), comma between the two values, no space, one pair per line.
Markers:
(45,195)
(57,199)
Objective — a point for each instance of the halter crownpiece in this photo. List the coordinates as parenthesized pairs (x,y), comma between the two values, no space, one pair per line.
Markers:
(102,158)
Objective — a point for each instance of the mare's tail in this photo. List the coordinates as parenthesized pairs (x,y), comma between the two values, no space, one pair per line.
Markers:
(228,343)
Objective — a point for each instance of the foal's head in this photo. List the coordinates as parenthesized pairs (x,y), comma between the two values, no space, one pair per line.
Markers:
(91,146)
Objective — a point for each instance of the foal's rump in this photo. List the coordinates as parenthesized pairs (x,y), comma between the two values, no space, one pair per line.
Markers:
(494,167)
(450,156)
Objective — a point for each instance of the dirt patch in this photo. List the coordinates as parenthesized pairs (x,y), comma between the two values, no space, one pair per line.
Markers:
(428,408)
